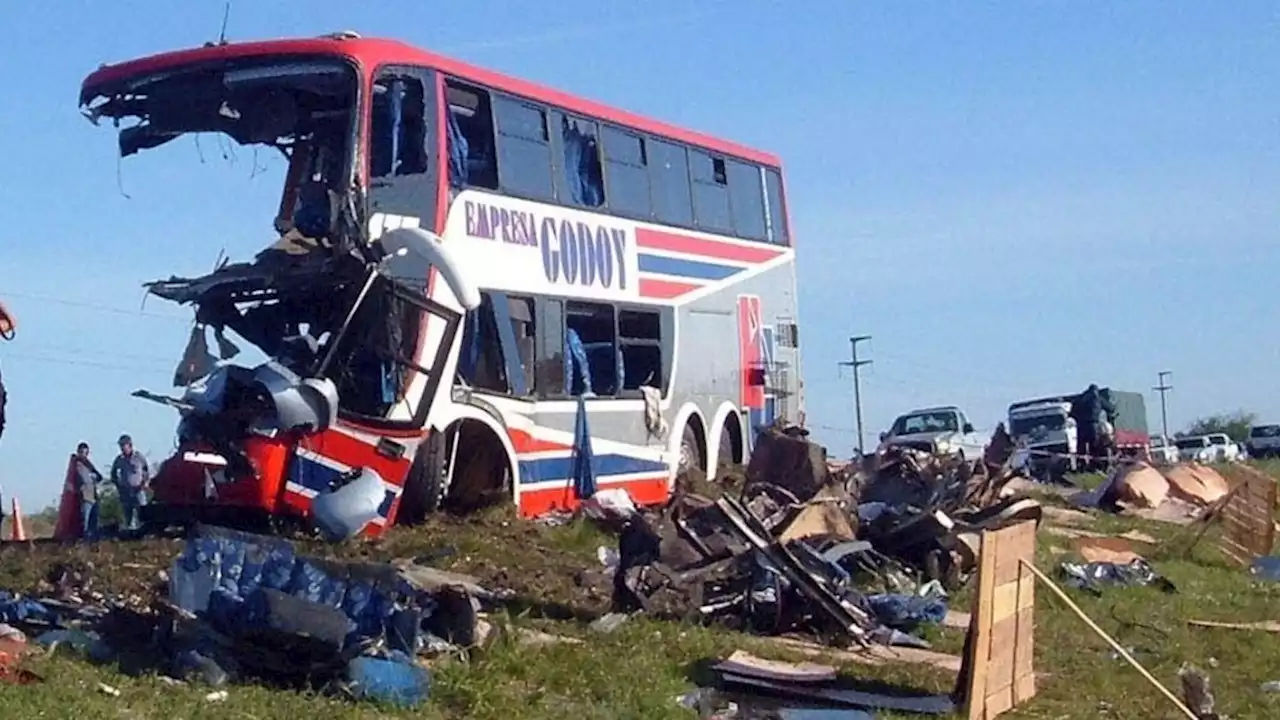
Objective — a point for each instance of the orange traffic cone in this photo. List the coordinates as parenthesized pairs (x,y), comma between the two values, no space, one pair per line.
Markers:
(18,534)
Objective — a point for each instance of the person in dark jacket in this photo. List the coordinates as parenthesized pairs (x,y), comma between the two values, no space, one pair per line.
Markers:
(1084,410)
(87,480)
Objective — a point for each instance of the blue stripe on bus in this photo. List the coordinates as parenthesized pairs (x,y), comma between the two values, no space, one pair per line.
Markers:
(318,477)
(686,268)
(561,468)
(311,474)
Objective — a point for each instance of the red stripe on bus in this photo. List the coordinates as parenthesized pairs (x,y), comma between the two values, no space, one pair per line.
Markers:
(659,240)
(664,289)
(645,492)
(526,443)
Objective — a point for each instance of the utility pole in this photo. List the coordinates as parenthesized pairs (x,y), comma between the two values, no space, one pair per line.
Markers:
(855,363)
(1163,388)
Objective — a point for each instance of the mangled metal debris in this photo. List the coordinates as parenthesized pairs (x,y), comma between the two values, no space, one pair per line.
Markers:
(800,548)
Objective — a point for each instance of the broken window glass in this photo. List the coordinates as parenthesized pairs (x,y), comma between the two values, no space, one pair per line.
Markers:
(591,337)
(481,363)
(398,128)
(473,160)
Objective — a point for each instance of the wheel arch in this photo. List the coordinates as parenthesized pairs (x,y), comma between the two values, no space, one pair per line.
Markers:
(688,415)
(460,413)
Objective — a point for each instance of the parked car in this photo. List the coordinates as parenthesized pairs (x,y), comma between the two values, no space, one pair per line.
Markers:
(1195,448)
(1163,452)
(1225,449)
(1211,448)
(939,430)
(1264,441)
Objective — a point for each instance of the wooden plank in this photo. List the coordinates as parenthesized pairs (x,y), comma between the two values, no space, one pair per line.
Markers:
(979,655)
(1004,602)
(1000,660)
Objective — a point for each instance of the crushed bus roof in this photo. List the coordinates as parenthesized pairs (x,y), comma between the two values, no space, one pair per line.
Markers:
(373,52)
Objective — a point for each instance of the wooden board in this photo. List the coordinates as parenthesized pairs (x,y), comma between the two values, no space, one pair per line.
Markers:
(999,673)
(1248,528)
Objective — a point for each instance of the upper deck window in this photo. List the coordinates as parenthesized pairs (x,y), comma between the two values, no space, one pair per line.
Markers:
(746,196)
(669,173)
(710,192)
(524,149)
(398,137)
(581,173)
(626,172)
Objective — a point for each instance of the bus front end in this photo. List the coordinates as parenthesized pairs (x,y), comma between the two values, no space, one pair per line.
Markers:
(321,417)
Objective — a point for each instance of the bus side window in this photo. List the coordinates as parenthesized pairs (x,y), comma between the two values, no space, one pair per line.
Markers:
(398,128)
(480,363)
(582,175)
(746,197)
(669,174)
(627,174)
(472,155)
(524,149)
(710,192)
(640,345)
(549,343)
(521,310)
(591,327)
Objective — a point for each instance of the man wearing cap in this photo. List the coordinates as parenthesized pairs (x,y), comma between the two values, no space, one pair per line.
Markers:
(132,477)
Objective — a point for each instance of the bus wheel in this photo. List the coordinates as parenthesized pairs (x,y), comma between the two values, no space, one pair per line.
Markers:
(690,449)
(424,487)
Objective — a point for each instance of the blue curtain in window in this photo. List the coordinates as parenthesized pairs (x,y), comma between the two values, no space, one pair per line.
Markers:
(458,151)
(577,365)
(582,164)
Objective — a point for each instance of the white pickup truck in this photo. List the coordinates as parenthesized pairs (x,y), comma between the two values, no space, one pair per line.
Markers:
(939,430)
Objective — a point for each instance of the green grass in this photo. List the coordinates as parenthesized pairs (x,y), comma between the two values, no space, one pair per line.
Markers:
(638,671)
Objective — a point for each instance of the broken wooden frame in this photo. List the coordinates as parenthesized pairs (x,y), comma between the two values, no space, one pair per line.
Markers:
(1248,528)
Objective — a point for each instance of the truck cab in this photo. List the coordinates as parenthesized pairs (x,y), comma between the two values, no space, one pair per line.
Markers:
(939,431)
(1046,428)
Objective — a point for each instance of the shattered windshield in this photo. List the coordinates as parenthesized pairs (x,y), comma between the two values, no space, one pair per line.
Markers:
(927,422)
(322,314)
(1037,423)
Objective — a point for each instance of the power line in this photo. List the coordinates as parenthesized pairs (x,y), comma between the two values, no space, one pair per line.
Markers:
(95,306)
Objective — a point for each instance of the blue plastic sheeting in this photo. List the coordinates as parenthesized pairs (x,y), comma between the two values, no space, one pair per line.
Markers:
(220,574)
(396,680)
(14,610)
(906,612)
(1267,567)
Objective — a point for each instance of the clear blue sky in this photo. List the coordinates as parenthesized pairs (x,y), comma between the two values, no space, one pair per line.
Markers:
(1013,198)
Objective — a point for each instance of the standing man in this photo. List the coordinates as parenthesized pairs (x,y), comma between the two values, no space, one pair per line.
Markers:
(132,476)
(87,479)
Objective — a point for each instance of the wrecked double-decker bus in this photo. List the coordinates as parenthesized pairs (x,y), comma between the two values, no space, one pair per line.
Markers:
(481,288)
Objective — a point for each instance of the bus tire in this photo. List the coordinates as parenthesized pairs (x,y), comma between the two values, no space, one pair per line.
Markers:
(690,450)
(424,486)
